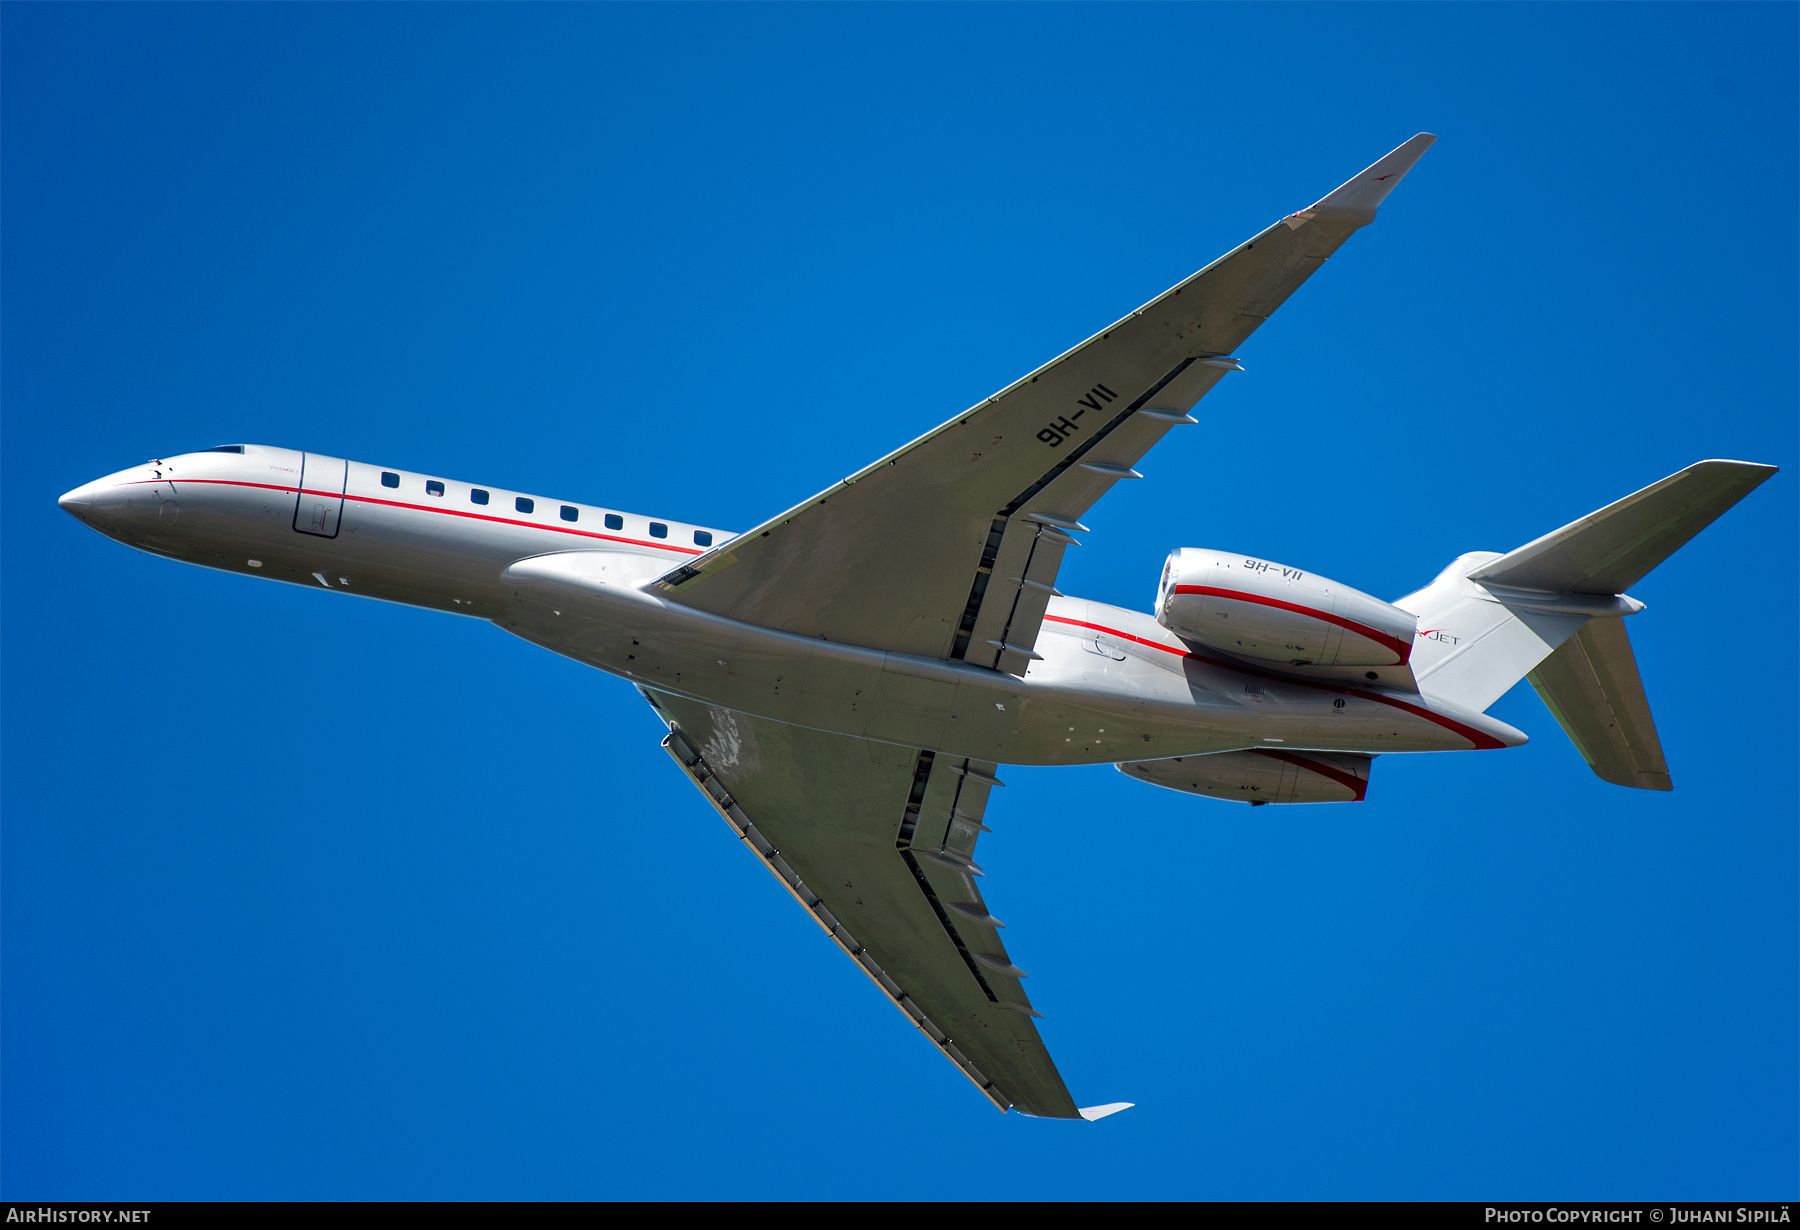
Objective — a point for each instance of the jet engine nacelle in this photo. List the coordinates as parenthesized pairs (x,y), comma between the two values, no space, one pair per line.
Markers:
(1257,609)
(1261,775)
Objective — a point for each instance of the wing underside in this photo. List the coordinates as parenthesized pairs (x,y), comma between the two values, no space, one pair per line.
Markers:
(877,842)
(949,547)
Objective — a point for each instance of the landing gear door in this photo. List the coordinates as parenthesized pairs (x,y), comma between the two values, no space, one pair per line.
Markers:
(321,503)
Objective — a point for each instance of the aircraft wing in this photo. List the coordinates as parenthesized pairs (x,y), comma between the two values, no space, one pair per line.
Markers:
(877,842)
(949,547)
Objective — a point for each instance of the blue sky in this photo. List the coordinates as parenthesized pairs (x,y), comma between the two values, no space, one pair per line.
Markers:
(312,897)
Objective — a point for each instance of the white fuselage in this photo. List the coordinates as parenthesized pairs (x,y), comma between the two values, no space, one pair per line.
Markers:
(1112,685)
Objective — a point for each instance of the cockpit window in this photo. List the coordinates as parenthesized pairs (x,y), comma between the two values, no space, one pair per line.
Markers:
(225,448)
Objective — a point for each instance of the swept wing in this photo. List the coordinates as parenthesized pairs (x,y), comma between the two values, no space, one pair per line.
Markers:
(949,547)
(877,842)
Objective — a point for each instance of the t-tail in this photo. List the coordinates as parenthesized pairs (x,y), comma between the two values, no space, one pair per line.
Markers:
(1553,611)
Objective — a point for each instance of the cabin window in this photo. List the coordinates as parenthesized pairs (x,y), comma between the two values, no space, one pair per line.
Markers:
(658,530)
(225,448)
(433,487)
(614,521)
(389,479)
(477,496)
(570,512)
(702,538)
(523,504)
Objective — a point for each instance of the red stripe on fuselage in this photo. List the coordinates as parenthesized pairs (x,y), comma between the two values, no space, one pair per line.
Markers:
(1403,648)
(1476,737)
(447,512)
(1355,785)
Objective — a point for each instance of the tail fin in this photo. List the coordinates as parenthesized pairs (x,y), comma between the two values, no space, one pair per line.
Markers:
(1488,620)
(1591,686)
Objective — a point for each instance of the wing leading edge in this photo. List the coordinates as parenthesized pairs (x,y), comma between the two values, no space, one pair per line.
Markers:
(877,842)
(949,547)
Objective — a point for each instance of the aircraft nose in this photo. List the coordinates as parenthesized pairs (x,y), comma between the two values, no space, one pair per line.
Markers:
(90,502)
(77,502)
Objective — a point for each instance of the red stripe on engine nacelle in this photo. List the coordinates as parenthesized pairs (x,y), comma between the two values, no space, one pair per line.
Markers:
(1485,742)
(1355,785)
(1403,648)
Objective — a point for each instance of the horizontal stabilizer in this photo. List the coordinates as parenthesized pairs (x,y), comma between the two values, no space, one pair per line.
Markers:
(1591,686)
(1609,551)
(1091,1113)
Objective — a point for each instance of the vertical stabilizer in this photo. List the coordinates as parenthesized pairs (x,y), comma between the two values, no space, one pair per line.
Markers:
(1591,686)
(1471,646)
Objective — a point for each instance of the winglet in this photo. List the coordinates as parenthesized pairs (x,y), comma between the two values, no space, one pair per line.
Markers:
(1362,194)
(1091,1113)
